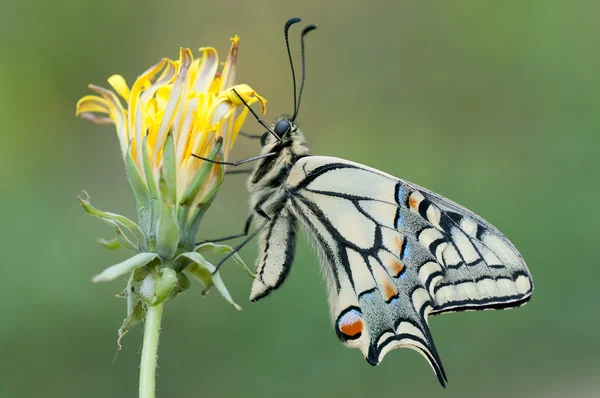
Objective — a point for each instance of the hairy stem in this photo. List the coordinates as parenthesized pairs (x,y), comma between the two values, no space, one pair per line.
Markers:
(150,350)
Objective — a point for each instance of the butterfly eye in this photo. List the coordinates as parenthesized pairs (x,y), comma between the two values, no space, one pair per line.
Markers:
(263,139)
(282,127)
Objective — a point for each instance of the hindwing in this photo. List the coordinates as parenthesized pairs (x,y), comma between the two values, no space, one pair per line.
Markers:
(394,253)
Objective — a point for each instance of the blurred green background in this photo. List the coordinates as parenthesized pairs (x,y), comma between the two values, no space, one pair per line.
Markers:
(492,104)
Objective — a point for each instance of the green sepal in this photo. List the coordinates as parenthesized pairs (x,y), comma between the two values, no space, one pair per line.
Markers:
(204,271)
(183,284)
(130,296)
(165,285)
(218,249)
(110,244)
(191,228)
(139,274)
(154,195)
(140,191)
(129,265)
(167,230)
(133,318)
(200,178)
(195,214)
(189,224)
(125,242)
(116,220)
(168,171)
(128,293)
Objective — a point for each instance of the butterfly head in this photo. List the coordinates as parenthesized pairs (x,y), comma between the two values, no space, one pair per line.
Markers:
(285,130)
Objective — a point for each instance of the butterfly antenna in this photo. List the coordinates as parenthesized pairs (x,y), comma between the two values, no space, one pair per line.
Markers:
(304,33)
(286,28)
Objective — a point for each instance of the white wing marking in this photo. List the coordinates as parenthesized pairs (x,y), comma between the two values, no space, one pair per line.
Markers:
(346,219)
(468,226)
(363,281)
(382,213)
(450,257)
(464,245)
(355,182)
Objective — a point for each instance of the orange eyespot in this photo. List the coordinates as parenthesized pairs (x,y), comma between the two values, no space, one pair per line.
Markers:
(352,329)
(350,324)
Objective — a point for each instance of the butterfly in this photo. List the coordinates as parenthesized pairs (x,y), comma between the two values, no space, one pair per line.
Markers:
(392,252)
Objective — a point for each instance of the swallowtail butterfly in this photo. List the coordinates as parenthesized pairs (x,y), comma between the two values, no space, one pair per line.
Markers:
(392,252)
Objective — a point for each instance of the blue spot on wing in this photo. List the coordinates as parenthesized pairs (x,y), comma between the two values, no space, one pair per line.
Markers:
(400,193)
(349,317)
(407,251)
(399,219)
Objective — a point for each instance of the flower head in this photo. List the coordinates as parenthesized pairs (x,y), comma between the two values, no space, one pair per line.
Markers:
(191,100)
(174,110)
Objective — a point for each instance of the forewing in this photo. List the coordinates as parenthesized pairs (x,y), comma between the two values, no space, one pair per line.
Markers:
(394,252)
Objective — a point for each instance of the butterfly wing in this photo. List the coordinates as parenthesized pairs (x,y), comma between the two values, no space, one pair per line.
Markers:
(394,253)
(277,245)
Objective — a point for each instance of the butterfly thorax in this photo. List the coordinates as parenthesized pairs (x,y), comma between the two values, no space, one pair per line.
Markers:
(267,182)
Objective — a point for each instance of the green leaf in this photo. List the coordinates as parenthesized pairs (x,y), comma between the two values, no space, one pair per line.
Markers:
(205,273)
(129,265)
(140,192)
(116,220)
(133,318)
(218,249)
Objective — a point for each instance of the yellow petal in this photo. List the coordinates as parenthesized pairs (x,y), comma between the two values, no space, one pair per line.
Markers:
(185,60)
(95,118)
(207,70)
(230,69)
(135,118)
(117,114)
(119,84)
(248,95)
(91,103)
(162,88)
(184,127)
(239,121)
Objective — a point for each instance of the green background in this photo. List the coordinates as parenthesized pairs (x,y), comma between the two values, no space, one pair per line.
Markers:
(492,104)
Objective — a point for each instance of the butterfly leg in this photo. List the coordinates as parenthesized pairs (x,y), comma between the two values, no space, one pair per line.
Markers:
(248,239)
(239,162)
(251,136)
(244,171)
(246,229)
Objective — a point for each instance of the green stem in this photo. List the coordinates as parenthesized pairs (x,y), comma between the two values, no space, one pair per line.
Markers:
(150,350)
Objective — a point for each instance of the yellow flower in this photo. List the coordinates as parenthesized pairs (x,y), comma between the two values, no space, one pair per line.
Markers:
(173,110)
(189,98)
